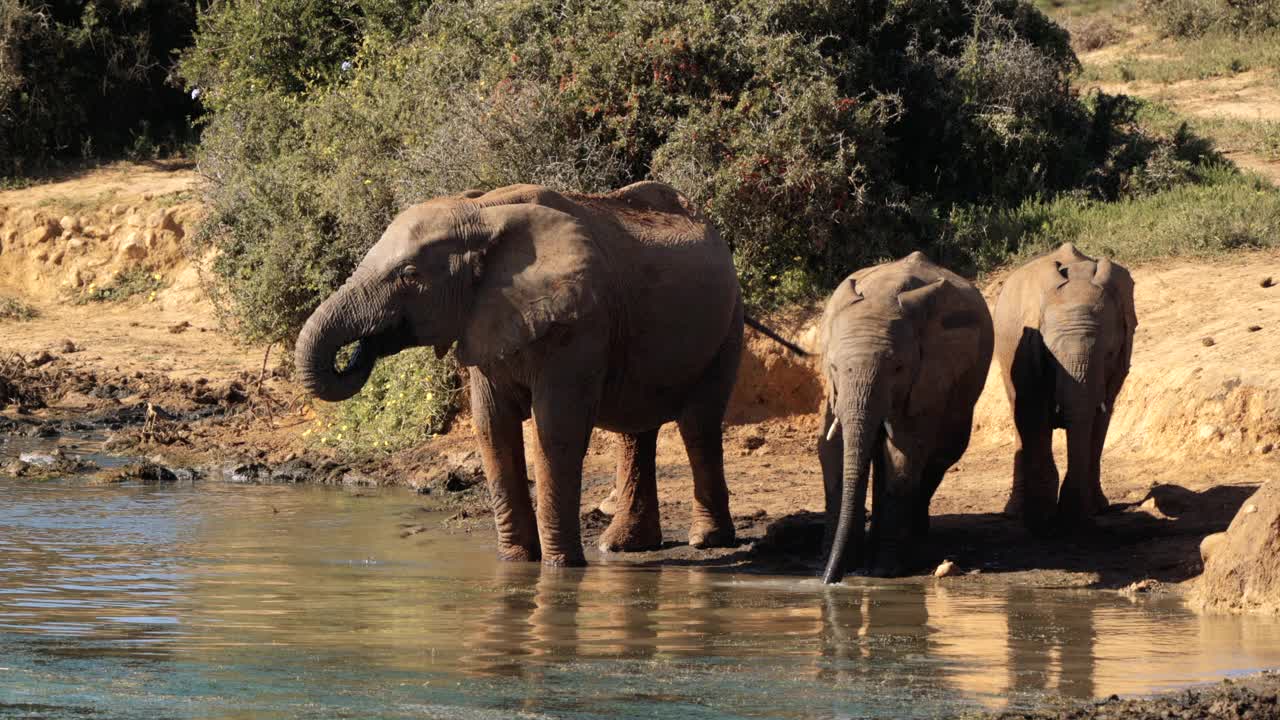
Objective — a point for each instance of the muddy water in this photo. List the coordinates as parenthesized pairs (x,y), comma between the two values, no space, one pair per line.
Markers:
(226,601)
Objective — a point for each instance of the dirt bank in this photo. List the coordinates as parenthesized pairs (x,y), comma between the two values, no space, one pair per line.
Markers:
(1256,697)
(1194,434)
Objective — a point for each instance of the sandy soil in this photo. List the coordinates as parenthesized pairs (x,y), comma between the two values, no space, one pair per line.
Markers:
(1195,431)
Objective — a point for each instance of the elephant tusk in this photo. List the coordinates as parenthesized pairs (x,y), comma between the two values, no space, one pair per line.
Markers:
(888,429)
(835,425)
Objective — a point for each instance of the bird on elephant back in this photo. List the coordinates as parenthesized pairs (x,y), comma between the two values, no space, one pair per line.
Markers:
(1064,337)
(620,311)
(905,349)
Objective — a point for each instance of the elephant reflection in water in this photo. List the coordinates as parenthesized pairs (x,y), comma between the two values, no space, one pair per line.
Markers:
(862,634)
(1044,633)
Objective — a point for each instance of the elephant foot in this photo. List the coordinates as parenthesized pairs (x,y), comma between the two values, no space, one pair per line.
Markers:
(570,559)
(1013,508)
(518,553)
(707,535)
(627,533)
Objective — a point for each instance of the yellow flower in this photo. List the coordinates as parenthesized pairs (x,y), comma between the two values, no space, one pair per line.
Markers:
(156,277)
(430,396)
(306,432)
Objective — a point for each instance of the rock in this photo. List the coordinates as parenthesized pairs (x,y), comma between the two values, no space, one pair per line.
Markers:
(1210,544)
(1265,448)
(39,234)
(292,471)
(42,358)
(147,472)
(133,247)
(1255,328)
(75,244)
(1207,342)
(1242,570)
(69,224)
(169,223)
(1267,282)
(179,327)
(67,346)
(462,471)
(945,569)
(1208,432)
(1141,586)
(248,473)
(359,479)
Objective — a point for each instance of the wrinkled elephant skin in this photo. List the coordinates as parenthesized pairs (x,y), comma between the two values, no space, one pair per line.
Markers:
(1064,337)
(620,311)
(905,351)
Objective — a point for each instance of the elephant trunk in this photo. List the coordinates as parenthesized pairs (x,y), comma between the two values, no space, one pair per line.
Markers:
(349,315)
(860,435)
(1080,399)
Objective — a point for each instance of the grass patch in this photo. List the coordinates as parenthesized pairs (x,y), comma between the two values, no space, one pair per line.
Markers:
(1063,9)
(1225,212)
(12,308)
(1258,137)
(126,284)
(1170,60)
(410,397)
(78,204)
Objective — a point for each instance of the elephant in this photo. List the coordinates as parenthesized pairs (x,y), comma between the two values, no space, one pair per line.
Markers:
(620,311)
(1064,339)
(905,349)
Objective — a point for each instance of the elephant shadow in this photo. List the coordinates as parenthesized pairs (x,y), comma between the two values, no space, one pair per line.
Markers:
(1156,538)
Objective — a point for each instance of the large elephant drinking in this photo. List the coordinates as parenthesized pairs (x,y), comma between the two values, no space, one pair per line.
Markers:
(1064,335)
(905,351)
(620,311)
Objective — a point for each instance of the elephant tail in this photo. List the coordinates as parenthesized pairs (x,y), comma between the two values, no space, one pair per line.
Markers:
(761,328)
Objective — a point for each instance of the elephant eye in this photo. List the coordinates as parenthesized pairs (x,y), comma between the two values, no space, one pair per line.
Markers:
(409,272)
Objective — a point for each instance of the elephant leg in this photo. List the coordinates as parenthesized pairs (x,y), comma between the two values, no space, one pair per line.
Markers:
(1035,475)
(1100,426)
(497,421)
(564,411)
(954,434)
(700,428)
(636,524)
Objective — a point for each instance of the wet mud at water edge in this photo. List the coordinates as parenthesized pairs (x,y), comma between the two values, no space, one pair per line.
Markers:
(205,599)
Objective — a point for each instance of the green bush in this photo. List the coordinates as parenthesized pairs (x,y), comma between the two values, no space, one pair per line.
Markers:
(88,79)
(409,398)
(1193,18)
(818,136)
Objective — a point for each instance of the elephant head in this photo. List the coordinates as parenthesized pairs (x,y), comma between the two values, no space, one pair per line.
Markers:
(881,375)
(491,272)
(1087,327)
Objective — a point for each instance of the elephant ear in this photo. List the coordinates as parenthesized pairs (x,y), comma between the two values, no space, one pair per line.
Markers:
(1116,281)
(949,325)
(535,272)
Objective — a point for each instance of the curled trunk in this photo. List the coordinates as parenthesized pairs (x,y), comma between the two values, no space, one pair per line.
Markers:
(344,318)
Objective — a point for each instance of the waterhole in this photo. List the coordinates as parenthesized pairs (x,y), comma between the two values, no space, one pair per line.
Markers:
(213,600)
